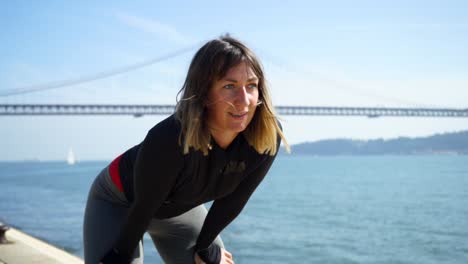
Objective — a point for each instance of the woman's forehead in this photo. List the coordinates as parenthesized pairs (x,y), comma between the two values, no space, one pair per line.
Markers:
(241,70)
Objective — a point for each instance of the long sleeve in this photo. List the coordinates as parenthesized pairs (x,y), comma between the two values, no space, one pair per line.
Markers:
(226,209)
(156,168)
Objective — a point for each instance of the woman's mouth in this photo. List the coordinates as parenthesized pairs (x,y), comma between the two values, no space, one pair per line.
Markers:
(239,116)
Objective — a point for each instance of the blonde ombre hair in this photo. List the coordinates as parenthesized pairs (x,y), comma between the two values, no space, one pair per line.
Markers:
(211,63)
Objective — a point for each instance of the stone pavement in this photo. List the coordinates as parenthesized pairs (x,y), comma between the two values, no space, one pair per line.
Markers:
(27,249)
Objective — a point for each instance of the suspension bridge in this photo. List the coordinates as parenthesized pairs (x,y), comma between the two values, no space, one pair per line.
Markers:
(18,109)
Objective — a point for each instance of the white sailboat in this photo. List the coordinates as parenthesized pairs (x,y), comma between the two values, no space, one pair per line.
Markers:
(71,157)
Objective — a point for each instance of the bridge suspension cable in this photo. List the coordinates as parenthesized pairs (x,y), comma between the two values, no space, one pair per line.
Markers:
(285,65)
(94,77)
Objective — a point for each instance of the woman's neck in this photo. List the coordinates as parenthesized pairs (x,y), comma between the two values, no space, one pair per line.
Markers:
(223,139)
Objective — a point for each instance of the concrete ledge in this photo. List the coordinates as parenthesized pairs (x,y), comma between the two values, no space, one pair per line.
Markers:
(27,249)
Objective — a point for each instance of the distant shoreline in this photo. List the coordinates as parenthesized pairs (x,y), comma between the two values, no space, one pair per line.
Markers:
(448,144)
(281,154)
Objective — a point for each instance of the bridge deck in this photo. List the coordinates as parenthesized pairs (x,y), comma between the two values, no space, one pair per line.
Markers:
(141,110)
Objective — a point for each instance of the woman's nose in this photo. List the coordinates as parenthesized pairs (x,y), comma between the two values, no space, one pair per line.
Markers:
(242,97)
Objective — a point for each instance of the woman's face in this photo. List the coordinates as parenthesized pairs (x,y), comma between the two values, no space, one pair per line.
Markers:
(232,101)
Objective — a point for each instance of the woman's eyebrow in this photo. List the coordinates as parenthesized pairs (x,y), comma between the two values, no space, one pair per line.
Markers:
(235,81)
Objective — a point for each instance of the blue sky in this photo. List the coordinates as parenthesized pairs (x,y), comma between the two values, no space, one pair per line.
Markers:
(333,53)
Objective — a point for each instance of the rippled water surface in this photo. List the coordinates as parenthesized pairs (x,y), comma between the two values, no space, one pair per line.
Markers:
(385,209)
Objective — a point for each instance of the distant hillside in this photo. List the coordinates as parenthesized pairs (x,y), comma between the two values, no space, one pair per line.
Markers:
(449,143)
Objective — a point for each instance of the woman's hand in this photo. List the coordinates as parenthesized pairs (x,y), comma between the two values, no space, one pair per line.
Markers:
(226,258)
(198,259)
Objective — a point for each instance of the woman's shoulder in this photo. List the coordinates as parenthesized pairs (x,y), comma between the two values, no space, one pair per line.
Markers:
(168,125)
(167,130)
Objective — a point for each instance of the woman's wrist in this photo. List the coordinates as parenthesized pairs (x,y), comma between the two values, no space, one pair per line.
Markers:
(211,254)
(114,257)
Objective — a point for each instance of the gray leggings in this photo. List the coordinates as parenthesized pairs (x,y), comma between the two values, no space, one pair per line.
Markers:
(106,211)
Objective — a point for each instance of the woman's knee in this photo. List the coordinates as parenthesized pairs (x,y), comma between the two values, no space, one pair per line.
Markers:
(175,238)
(101,226)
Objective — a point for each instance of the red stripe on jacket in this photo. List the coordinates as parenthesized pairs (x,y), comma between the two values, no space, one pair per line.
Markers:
(115,174)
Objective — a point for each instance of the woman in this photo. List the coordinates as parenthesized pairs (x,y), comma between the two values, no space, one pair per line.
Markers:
(218,145)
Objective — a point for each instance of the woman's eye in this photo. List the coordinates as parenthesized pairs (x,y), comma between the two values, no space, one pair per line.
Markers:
(252,85)
(229,86)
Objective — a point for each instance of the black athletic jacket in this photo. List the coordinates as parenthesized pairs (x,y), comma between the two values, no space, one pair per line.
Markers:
(161,182)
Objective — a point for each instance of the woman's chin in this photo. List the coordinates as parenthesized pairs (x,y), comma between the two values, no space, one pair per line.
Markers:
(238,127)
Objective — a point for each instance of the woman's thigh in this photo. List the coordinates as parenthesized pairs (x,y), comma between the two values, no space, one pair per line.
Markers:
(101,227)
(175,238)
